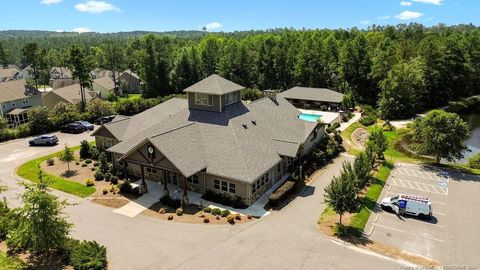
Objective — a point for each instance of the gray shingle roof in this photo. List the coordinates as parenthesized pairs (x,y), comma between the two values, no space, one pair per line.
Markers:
(70,93)
(214,85)
(8,72)
(13,90)
(314,94)
(105,82)
(194,140)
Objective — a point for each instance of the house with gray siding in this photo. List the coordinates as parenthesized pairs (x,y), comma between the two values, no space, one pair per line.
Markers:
(16,99)
(212,141)
(314,98)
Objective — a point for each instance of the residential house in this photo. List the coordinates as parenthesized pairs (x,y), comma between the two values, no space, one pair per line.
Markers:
(320,98)
(103,86)
(212,141)
(69,94)
(60,73)
(9,74)
(131,81)
(16,98)
(100,73)
(26,73)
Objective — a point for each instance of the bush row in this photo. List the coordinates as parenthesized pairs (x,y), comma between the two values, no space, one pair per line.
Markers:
(282,192)
(223,198)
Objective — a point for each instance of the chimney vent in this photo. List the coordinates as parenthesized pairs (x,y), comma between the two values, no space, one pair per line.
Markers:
(254,122)
(244,126)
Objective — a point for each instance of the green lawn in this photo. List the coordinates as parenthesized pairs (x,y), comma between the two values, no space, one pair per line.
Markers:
(9,263)
(130,96)
(31,169)
(359,220)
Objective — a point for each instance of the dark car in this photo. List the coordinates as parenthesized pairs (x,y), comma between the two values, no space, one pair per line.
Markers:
(104,119)
(46,139)
(86,124)
(73,128)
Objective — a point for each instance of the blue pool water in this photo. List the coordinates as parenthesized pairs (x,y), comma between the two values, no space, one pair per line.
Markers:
(309,117)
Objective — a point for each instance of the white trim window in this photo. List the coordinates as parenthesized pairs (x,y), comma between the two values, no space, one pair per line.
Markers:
(203,99)
(231,98)
(193,179)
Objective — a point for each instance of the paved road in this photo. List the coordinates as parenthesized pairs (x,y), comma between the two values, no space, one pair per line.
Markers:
(287,239)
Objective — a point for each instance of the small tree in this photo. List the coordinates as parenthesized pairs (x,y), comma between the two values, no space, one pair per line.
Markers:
(378,142)
(67,156)
(362,170)
(40,226)
(370,154)
(102,159)
(441,135)
(85,150)
(341,193)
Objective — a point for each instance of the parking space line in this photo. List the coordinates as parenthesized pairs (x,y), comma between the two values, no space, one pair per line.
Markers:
(433,187)
(418,186)
(438,213)
(402,231)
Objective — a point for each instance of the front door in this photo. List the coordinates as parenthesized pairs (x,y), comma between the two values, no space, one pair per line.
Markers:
(172,178)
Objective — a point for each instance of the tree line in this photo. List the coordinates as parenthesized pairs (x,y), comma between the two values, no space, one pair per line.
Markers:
(400,69)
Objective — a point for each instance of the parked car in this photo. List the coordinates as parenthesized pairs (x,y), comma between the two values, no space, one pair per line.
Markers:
(46,139)
(409,205)
(73,128)
(86,124)
(104,119)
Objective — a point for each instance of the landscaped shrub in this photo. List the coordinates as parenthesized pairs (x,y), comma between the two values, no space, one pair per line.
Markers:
(50,162)
(87,255)
(108,177)
(105,191)
(225,213)
(281,192)
(169,201)
(94,153)
(84,165)
(85,150)
(77,163)
(89,182)
(88,161)
(367,120)
(114,179)
(126,187)
(95,164)
(170,217)
(206,220)
(225,199)
(332,127)
(207,209)
(179,211)
(230,219)
(474,161)
(162,211)
(102,159)
(216,211)
(92,169)
(99,176)
(238,217)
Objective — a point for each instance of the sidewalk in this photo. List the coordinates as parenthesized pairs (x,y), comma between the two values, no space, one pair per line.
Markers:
(354,119)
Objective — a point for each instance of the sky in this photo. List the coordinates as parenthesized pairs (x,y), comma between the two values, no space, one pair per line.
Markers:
(226,15)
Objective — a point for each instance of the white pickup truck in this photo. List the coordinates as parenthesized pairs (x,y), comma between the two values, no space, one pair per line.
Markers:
(409,205)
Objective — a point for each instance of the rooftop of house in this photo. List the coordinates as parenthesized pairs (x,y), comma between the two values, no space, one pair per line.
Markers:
(14,90)
(64,71)
(99,73)
(70,93)
(313,94)
(214,85)
(8,72)
(243,142)
(105,82)
(131,73)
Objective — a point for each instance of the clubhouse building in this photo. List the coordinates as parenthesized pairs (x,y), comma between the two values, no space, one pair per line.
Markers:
(212,140)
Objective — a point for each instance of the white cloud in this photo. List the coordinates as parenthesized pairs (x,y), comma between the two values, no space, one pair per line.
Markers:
(431,2)
(96,7)
(365,22)
(59,30)
(386,17)
(408,15)
(50,2)
(213,26)
(82,30)
(405,4)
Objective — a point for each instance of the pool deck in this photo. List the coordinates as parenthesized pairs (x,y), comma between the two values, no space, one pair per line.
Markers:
(327,117)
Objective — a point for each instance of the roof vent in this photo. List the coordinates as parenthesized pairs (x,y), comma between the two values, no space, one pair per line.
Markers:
(254,122)
(244,126)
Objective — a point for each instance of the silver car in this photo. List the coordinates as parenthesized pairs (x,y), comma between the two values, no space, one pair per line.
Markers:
(46,139)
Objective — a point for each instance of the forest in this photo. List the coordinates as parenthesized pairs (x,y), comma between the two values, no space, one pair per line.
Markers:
(402,70)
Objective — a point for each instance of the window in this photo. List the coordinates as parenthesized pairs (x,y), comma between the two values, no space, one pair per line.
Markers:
(193,179)
(216,184)
(231,98)
(231,187)
(24,101)
(12,103)
(224,186)
(150,170)
(254,188)
(203,99)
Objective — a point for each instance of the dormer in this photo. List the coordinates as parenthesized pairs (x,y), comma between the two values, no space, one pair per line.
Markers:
(213,93)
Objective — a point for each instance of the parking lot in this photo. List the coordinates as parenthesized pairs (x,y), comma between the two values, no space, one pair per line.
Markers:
(451,236)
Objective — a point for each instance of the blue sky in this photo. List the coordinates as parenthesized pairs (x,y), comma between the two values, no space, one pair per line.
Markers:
(218,15)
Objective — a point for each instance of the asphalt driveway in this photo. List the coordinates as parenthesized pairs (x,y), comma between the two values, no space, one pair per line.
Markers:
(287,239)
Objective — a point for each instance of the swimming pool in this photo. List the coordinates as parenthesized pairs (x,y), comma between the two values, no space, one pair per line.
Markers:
(309,117)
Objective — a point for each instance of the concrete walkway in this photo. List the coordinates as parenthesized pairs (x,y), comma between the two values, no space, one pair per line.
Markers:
(354,119)
(142,203)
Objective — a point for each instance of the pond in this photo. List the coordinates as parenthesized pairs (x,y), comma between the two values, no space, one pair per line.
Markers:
(472,117)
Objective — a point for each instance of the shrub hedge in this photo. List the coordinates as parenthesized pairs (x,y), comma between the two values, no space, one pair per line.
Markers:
(281,192)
